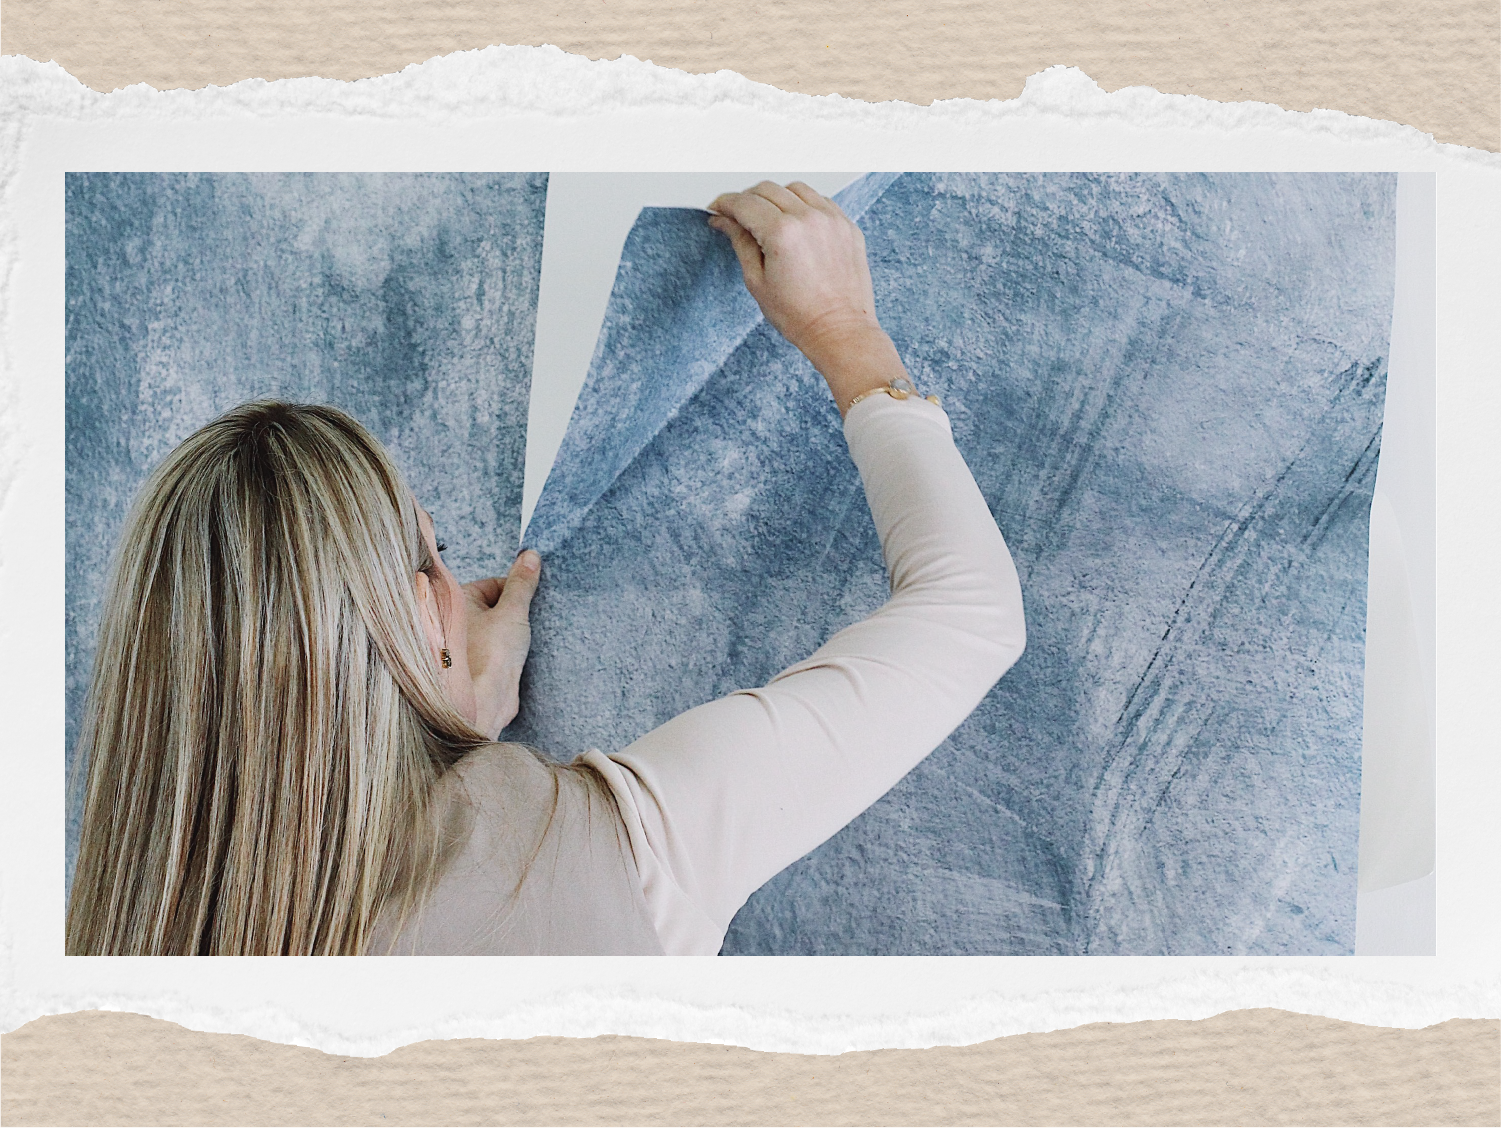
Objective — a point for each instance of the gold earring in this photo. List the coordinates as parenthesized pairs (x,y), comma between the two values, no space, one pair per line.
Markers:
(447,661)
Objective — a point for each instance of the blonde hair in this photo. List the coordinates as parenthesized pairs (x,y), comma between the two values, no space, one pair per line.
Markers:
(266,721)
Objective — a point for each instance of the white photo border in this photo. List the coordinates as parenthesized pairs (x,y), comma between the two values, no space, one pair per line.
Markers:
(537,109)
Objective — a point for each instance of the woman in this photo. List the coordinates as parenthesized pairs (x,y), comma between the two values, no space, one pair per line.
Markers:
(290,735)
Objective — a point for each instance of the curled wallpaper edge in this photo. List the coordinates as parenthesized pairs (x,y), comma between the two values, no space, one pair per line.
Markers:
(546,80)
(591,458)
(984,1017)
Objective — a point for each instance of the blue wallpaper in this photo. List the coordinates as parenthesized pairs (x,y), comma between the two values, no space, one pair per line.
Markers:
(1170,390)
(409,300)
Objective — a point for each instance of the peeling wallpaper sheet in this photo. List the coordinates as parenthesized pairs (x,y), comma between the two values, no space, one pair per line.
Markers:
(409,300)
(1170,390)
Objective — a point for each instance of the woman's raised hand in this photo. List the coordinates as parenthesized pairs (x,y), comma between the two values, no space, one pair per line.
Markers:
(497,612)
(804,263)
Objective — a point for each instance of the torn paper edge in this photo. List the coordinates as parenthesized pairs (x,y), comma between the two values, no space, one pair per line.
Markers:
(1061,120)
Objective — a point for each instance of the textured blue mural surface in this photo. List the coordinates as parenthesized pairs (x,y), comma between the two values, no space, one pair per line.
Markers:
(1169,388)
(409,300)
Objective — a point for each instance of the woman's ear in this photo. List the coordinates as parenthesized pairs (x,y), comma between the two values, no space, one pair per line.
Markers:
(427,608)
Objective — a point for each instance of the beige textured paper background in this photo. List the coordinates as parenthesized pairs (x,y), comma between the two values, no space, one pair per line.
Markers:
(1435,65)
(1246,1067)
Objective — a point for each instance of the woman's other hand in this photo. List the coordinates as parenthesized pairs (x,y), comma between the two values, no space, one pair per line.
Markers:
(497,611)
(804,263)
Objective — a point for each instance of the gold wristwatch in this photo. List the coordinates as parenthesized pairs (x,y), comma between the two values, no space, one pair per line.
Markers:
(899,389)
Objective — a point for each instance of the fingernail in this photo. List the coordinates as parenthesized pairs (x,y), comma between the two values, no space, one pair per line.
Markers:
(529,559)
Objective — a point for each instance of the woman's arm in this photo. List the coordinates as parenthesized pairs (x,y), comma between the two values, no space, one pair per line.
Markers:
(722,797)
(719,799)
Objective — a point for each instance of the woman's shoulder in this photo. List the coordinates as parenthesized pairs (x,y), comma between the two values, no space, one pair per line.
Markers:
(500,758)
(514,798)
(519,785)
(540,866)
(503,775)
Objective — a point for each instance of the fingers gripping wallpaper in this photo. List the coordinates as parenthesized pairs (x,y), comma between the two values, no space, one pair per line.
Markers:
(1169,389)
(409,300)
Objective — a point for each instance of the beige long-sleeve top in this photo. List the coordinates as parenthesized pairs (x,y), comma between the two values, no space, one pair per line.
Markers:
(652,849)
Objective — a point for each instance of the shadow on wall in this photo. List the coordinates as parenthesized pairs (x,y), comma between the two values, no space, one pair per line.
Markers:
(1170,390)
(409,300)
